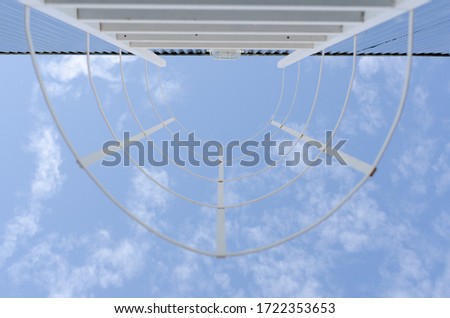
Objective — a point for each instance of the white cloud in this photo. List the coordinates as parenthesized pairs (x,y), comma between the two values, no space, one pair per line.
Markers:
(47,180)
(422,112)
(337,63)
(441,225)
(166,88)
(57,90)
(415,164)
(369,117)
(53,264)
(409,276)
(65,68)
(442,170)
(121,122)
(355,225)
(169,90)
(421,155)
(442,282)
(299,268)
(107,263)
(372,94)
(68,68)
(368,66)
(145,198)
(287,271)
(59,73)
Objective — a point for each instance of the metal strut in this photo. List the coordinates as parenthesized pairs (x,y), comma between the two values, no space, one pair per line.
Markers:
(221,243)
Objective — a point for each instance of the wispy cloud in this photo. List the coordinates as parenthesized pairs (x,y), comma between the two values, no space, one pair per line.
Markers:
(68,264)
(441,167)
(47,180)
(107,263)
(441,224)
(60,73)
(372,95)
(68,68)
(145,198)
(51,261)
(168,91)
(166,86)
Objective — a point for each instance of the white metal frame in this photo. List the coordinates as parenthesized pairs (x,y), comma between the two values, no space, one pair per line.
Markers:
(351,161)
(100,154)
(305,26)
(221,244)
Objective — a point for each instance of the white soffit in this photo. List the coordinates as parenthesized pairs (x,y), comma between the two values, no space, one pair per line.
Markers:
(305,26)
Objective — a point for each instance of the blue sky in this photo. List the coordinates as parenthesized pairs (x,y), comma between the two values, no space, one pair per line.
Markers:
(59,236)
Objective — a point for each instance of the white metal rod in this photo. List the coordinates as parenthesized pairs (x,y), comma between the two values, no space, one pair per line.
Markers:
(245,252)
(221,45)
(401,105)
(130,105)
(311,112)
(220,16)
(219,38)
(221,243)
(72,149)
(351,161)
(336,5)
(114,135)
(193,28)
(99,155)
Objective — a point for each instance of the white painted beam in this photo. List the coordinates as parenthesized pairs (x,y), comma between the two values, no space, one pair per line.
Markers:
(271,5)
(99,155)
(222,45)
(221,242)
(220,16)
(220,38)
(351,161)
(192,28)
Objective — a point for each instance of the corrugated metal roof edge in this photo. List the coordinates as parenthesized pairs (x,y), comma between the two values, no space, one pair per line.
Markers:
(431,54)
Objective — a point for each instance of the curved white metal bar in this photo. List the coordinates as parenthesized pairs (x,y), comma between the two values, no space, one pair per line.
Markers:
(127,96)
(183,197)
(311,112)
(286,117)
(253,137)
(316,95)
(100,154)
(376,161)
(267,168)
(150,98)
(75,154)
(113,134)
(306,169)
(134,163)
(131,107)
(269,123)
(347,97)
(298,139)
(405,89)
(169,108)
(291,107)
(319,221)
